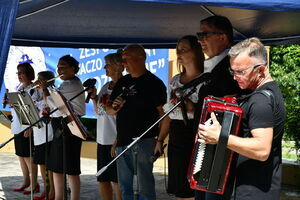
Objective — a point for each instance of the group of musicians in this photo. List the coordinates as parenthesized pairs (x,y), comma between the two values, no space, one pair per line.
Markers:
(128,105)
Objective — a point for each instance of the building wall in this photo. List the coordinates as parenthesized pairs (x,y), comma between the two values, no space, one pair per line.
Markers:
(5,136)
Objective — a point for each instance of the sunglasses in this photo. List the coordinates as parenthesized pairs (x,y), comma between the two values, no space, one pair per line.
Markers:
(205,35)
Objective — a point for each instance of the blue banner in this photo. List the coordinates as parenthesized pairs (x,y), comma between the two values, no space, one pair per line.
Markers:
(91,65)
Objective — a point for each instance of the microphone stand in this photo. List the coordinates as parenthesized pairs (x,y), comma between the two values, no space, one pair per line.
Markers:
(135,169)
(64,138)
(61,103)
(205,77)
(42,118)
(47,186)
(135,140)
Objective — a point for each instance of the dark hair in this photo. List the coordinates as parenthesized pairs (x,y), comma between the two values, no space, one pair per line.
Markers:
(29,71)
(47,75)
(195,47)
(71,61)
(221,24)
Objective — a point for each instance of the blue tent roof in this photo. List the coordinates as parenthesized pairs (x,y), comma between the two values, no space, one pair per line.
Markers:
(271,5)
(153,23)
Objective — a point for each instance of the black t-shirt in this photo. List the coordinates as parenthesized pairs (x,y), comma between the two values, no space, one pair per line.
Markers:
(256,179)
(221,84)
(143,95)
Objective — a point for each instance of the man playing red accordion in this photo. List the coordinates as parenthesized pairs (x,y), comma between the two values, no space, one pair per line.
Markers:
(258,169)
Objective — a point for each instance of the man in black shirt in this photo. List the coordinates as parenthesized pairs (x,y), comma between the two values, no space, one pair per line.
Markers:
(137,100)
(258,170)
(216,38)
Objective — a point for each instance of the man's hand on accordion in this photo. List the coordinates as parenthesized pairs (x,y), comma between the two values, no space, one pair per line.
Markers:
(210,131)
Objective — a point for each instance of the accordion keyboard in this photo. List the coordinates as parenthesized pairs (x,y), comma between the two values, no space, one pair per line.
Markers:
(201,151)
(199,157)
(210,163)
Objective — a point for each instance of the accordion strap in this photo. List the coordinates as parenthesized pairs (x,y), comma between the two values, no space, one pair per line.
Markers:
(221,150)
(267,93)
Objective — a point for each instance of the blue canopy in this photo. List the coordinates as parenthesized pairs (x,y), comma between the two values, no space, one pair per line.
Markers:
(8,12)
(153,23)
(272,5)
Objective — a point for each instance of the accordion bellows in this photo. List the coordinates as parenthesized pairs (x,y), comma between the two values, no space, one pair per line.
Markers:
(210,164)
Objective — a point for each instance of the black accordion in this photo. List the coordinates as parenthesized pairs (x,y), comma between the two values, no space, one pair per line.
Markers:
(210,163)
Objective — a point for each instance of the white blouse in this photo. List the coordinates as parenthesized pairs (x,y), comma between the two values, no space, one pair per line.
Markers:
(70,88)
(106,124)
(40,133)
(174,85)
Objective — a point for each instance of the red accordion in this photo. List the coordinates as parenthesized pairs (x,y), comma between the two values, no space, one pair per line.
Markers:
(210,164)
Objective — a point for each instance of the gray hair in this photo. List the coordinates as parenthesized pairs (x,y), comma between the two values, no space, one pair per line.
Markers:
(253,47)
(114,58)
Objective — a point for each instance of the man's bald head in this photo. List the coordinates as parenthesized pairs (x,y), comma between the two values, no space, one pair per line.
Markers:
(135,50)
(134,57)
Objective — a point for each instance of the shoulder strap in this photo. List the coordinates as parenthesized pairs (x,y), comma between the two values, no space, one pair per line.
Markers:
(267,93)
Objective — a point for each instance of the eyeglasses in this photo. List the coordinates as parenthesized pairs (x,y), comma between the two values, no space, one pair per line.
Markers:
(205,35)
(240,73)
(20,73)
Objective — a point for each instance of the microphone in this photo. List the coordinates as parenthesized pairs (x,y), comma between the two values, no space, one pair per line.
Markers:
(124,94)
(88,84)
(204,77)
(157,155)
(5,98)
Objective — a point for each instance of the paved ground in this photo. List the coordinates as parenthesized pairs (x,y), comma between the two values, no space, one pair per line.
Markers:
(11,177)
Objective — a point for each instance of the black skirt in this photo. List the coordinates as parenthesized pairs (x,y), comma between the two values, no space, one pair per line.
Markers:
(40,154)
(181,141)
(64,155)
(103,158)
(22,145)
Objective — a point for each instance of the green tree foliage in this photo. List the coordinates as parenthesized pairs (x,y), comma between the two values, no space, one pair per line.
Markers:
(285,69)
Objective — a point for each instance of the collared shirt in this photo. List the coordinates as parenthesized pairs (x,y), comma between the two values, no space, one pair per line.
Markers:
(209,64)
